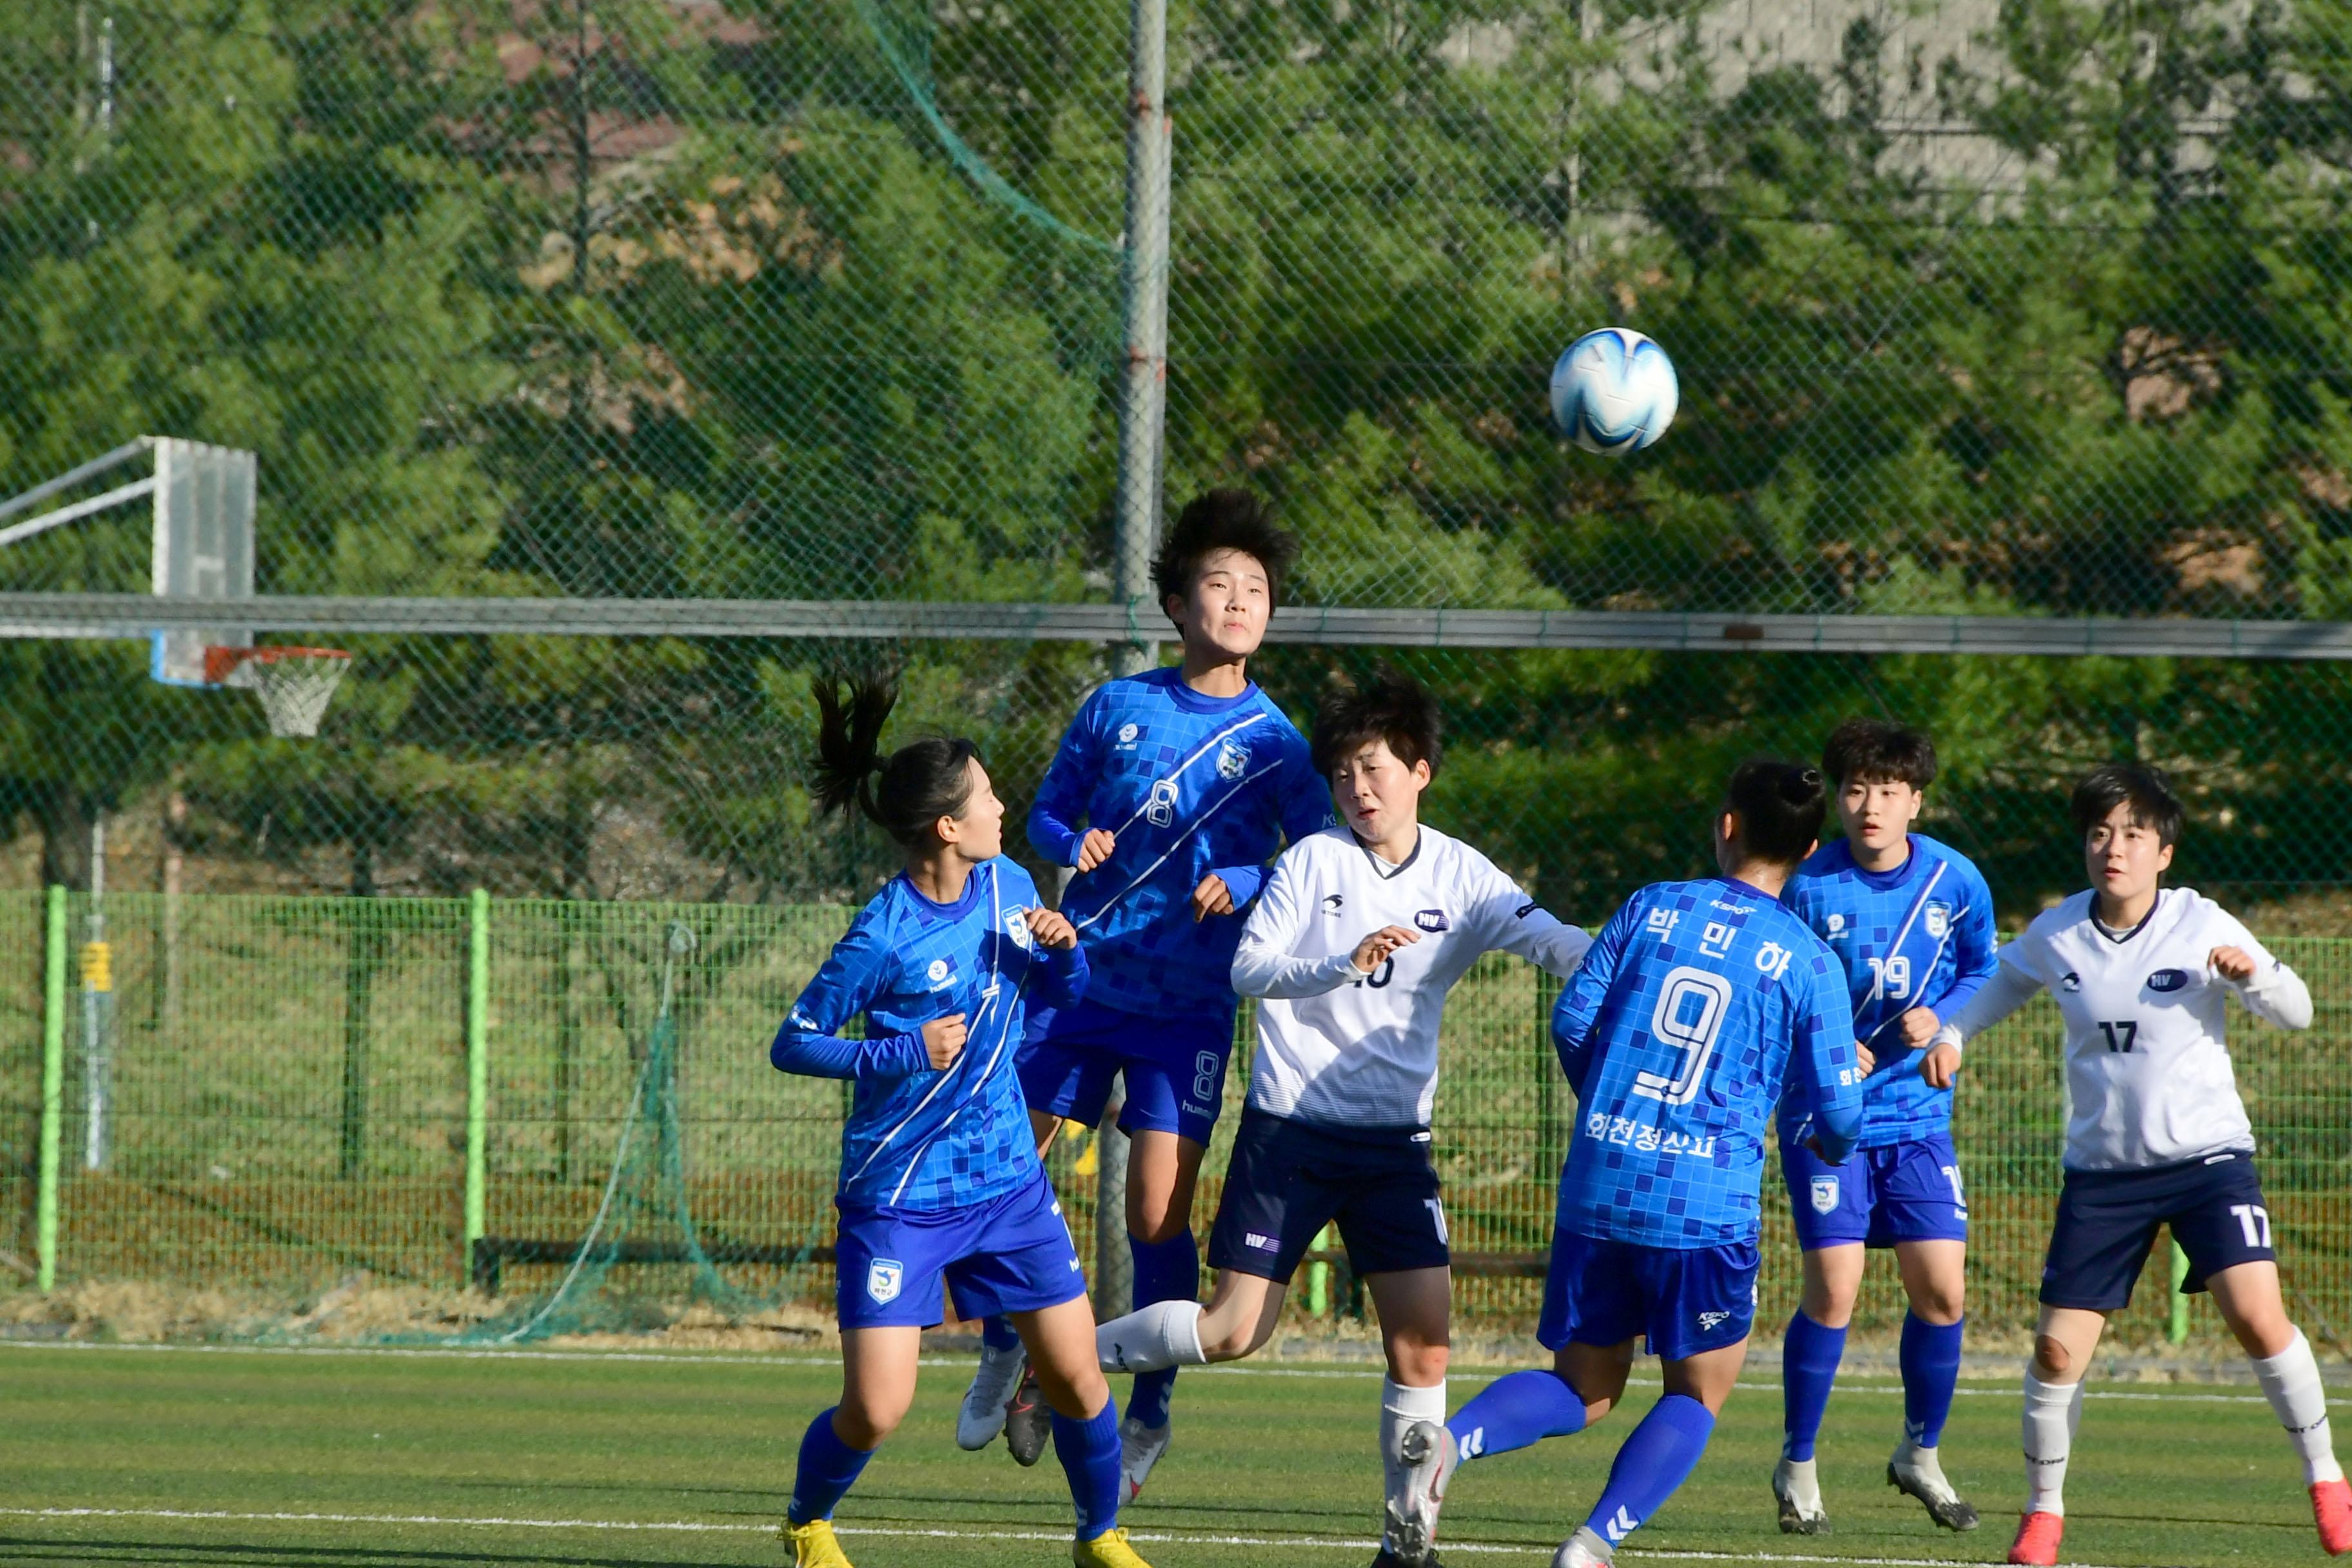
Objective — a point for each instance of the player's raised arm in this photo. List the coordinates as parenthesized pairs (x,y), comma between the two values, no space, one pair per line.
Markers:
(1266,965)
(1510,921)
(809,1042)
(1576,1015)
(1305,797)
(2010,987)
(2270,990)
(1061,802)
(1061,962)
(1824,1025)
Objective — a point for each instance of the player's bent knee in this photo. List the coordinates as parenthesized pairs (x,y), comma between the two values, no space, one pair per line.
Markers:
(864,1425)
(2052,1360)
(1417,1364)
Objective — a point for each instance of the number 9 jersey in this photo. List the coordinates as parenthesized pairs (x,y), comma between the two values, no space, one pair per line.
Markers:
(1699,1003)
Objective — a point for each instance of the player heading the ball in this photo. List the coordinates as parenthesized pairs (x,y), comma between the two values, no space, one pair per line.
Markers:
(1699,1002)
(1911,921)
(1360,932)
(939,1172)
(2156,1135)
(1171,791)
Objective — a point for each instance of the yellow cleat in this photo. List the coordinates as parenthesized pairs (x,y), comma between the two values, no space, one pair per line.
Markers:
(813,1545)
(1109,1549)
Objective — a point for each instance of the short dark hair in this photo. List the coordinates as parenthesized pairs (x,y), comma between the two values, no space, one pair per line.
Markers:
(2145,789)
(1877,751)
(1394,708)
(906,792)
(1780,806)
(1221,520)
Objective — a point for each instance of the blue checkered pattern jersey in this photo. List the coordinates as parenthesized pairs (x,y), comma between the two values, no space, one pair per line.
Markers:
(1918,936)
(916,1138)
(1187,785)
(1699,1003)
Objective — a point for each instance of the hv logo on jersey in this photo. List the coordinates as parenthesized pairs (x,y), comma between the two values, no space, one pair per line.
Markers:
(1432,920)
(1825,1195)
(884,1277)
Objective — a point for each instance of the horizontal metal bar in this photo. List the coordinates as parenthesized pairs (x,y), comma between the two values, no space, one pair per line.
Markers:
(46,488)
(135,614)
(65,514)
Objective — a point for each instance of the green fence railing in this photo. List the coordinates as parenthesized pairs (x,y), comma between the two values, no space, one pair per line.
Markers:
(287,1089)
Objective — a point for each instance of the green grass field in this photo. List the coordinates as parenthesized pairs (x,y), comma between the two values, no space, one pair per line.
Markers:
(119,1456)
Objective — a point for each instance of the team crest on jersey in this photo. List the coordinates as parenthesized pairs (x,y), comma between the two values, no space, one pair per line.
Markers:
(1016,926)
(938,971)
(1334,902)
(1939,920)
(884,1275)
(1432,920)
(1825,1195)
(2069,982)
(2169,980)
(1232,761)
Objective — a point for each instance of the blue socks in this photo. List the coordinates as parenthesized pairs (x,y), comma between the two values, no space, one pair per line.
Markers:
(997,1333)
(1514,1410)
(1088,1450)
(1164,1272)
(1657,1458)
(828,1466)
(1809,1364)
(1931,1370)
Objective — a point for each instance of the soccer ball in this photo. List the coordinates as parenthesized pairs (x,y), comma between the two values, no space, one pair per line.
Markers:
(1613,392)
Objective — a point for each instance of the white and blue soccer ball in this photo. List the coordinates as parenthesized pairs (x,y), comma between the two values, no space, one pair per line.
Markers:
(1613,392)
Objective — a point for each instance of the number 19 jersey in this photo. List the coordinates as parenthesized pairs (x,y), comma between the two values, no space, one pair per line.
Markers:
(1700,1003)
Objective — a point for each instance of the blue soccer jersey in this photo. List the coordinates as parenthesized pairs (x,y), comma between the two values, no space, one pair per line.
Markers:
(1699,1003)
(1918,936)
(917,1138)
(1187,785)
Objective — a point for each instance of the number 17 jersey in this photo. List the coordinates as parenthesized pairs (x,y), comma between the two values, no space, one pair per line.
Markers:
(1698,1005)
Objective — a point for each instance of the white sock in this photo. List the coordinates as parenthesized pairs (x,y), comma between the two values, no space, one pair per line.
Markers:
(1149,1339)
(2052,1411)
(2291,1379)
(1399,1408)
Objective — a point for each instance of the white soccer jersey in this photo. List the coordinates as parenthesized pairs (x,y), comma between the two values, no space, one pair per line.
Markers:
(1337,1046)
(2146,1065)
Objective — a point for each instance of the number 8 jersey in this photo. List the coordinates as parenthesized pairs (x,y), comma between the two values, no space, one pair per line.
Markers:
(2146,1066)
(1699,1002)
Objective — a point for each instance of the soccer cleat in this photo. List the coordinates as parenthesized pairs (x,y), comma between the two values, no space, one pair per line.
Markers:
(1799,1493)
(2037,1535)
(1584,1550)
(1140,1448)
(2331,1505)
(1028,1423)
(1916,1473)
(1389,1559)
(982,1416)
(813,1545)
(1429,1457)
(1109,1549)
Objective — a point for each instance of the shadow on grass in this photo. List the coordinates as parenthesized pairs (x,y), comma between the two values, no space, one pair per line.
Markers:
(218,1555)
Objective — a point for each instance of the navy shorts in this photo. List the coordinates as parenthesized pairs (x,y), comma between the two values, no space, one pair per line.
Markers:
(1175,1068)
(1903,1191)
(1011,1253)
(1288,1179)
(1684,1301)
(2107,1220)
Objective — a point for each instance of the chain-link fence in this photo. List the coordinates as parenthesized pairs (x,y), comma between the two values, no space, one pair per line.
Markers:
(284,1100)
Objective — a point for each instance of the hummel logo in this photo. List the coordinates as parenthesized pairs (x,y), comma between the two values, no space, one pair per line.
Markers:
(1623,1525)
(1118,1357)
(1709,1320)
(1474,1445)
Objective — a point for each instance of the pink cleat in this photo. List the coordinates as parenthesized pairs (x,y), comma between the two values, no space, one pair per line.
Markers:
(2037,1540)
(2331,1505)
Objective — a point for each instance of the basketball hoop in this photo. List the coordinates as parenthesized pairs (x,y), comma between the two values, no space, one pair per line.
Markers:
(294,683)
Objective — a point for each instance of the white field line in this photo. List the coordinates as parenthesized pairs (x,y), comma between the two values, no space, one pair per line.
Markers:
(707,1527)
(1370,1373)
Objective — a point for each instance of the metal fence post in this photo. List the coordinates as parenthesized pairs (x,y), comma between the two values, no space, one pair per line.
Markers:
(477,1074)
(53,1089)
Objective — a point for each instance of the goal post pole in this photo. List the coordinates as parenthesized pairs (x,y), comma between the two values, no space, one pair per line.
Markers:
(478,1073)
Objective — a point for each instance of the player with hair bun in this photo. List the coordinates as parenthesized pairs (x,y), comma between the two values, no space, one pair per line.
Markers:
(1699,1003)
(1360,932)
(1911,919)
(939,1176)
(2158,1136)
(1171,791)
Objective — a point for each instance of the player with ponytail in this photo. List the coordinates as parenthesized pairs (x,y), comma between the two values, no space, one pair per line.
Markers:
(940,1174)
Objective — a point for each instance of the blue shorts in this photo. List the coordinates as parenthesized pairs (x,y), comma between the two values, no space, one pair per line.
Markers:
(1175,1068)
(1011,1253)
(1683,1299)
(1903,1192)
(2107,1220)
(1288,1179)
